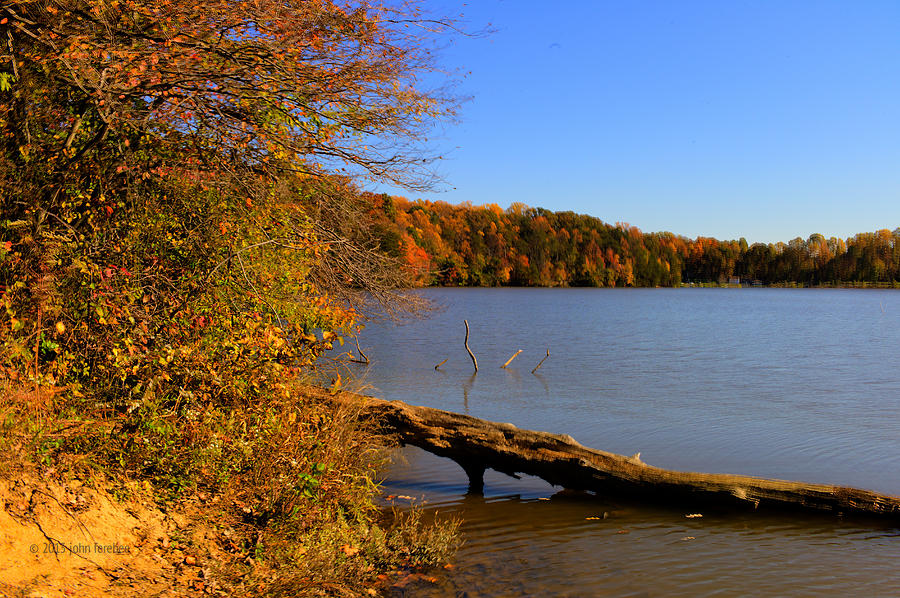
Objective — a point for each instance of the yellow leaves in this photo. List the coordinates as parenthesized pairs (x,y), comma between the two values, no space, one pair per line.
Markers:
(112,304)
(169,356)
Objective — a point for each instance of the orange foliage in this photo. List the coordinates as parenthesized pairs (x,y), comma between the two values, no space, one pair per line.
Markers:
(532,246)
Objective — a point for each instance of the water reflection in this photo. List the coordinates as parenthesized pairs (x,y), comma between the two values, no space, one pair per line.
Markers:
(467,386)
(515,377)
(525,538)
(543,383)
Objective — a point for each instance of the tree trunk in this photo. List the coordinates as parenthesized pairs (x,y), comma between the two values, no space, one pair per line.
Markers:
(477,444)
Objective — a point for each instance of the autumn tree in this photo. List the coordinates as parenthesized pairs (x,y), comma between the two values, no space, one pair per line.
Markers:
(182,238)
(176,184)
(487,246)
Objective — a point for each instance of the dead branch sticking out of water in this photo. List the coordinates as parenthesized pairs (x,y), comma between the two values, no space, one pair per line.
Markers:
(477,444)
(441,363)
(365,358)
(541,363)
(509,361)
(472,355)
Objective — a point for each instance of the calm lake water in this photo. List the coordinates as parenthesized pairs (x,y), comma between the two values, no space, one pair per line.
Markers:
(791,384)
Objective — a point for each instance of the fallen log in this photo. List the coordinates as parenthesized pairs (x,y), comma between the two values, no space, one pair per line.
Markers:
(476,445)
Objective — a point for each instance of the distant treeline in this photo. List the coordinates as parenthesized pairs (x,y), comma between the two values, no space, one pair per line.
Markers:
(465,245)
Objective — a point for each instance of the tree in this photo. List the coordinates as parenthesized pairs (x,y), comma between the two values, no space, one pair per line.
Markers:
(168,188)
(182,238)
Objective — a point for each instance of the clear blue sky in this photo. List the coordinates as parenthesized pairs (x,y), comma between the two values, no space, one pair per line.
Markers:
(765,119)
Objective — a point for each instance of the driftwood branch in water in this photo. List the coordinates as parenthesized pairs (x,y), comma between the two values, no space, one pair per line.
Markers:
(509,361)
(472,355)
(365,358)
(477,444)
(541,362)
(441,363)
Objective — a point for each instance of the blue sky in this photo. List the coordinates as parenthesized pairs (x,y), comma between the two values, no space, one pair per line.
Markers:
(760,119)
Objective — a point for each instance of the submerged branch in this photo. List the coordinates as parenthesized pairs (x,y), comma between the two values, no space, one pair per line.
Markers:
(509,361)
(472,355)
(541,362)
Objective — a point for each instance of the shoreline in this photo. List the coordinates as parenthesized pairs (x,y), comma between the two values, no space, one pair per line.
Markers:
(299,514)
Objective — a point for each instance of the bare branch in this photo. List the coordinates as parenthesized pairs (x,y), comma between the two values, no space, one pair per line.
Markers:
(466,342)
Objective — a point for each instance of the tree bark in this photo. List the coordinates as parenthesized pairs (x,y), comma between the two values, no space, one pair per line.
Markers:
(478,444)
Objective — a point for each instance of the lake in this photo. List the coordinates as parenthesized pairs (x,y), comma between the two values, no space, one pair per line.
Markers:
(800,384)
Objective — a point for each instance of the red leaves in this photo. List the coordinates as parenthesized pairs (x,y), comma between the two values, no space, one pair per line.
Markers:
(206,68)
(141,126)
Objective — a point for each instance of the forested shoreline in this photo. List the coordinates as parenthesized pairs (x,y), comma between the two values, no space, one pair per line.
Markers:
(465,245)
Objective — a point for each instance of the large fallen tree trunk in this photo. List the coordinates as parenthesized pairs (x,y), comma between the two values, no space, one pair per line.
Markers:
(477,444)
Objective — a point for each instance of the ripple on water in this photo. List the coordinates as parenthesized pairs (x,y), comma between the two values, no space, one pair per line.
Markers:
(577,544)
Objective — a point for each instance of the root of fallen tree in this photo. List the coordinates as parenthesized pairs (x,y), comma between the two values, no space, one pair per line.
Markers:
(477,445)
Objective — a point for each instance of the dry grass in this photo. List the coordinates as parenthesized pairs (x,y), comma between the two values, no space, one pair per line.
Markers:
(280,494)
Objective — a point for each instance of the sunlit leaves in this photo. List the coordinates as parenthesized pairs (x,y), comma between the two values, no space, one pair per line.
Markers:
(6,81)
(280,85)
(466,245)
(159,165)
